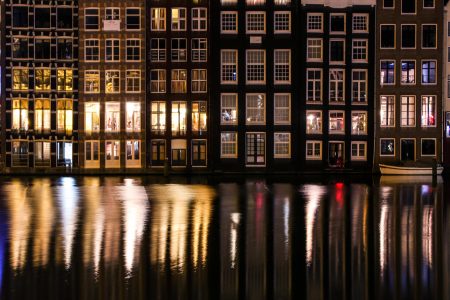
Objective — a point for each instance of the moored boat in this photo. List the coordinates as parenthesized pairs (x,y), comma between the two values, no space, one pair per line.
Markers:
(413,170)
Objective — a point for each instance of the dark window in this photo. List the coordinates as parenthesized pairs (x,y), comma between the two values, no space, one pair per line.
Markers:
(198,153)
(408,6)
(158,152)
(387,147)
(337,23)
(448,28)
(429,36)
(428,3)
(336,50)
(91,19)
(408,36)
(42,17)
(388,3)
(20,16)
(42,48)
(133,20)
(20,47)
(65,48)
(448,55)
(428,147)
(64,20)
(387,36)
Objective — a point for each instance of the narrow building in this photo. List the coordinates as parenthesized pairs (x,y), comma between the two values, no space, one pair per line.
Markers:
(256,101)
(336,111)
(112,92)
(409,81)
(446,87)
(41,96)
(178,85)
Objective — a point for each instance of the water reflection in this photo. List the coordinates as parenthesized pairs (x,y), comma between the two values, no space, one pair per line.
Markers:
(129,238)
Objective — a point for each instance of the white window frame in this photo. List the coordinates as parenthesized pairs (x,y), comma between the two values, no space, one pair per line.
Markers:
(126,17)
(359,82)
(226,65)
(159,19)
(255,65)
(311,112)
(354,23)
(335,131)
(134,79)
(395,36)
(248,109)
(224,107)
(387,111)
(364,52)
(358,145)
(276,108)
(133,43)
(199,53)
(199,80)
(159,80)
(395,146)
(401,72)
(275,143)
(275,26)
(229,24)
(395,70)
(249,24)
(86,91)
(93,47)
(314,81)
(335,85)
(434,97)
(435,72)
(345,23)
(178,26)
(113,47)
(308,22)
(312,44)
(435,147)
(233,142)
(159,53)
(408,105)
(337,62)
(86,15)
(112,163)
(113,71)
(198,21)
(314,143)
(279,67)
(357,132)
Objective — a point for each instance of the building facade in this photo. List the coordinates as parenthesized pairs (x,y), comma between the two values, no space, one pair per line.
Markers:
(446,86)
(409,81)
(112,93)
(41,97)
(178,85)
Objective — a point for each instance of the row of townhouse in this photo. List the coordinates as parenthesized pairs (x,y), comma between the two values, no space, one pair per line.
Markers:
(224,86)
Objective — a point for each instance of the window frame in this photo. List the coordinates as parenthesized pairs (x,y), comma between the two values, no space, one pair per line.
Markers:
(223,107)
(236,24)
(407,105)
(282,31)
(314,143)
(234,142)
(435,147)
(358,157)
(248,119)
(387,125)
(275,108)
(281,65)
(395,147)
(247,22)
(275,142)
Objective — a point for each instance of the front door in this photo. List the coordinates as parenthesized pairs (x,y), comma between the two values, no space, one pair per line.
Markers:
(336,154)
(408,149)
(256,149)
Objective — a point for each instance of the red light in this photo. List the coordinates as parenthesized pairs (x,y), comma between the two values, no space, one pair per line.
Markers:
(339,185)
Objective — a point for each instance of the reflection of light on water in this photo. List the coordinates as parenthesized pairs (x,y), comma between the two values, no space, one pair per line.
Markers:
(20,219)
(286,213)
(235,220)
(312,193)
(67,196)
(427,235)
(135,205)
(386,194)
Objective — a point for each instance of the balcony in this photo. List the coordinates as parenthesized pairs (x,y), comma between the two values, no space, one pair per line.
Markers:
(111,25)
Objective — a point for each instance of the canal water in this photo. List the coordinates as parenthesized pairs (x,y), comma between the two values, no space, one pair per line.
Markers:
(151,238)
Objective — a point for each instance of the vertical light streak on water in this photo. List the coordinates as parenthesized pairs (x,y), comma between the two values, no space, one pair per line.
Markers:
(386,193)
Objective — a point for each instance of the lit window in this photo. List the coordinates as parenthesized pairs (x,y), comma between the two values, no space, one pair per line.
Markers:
(337,51)
(359,122)
(199,119)
(42,154)
(158,81)
(42,80)
(256,66)
(408,72)
(19,151)
(282,22)
(360,23)
(428,111)
(199,19)
(314,122)
(158,50)
(282,2)
(282,145)
(20,79)
(92,50)
(179,118)
(387,36)
(255,109)
(359,86)
(228,66)
(133,81)
(387,111)
(228,145)
(199,153)
(229,109)
(408,36)
(337,91)
(315,22)
(228,2)
(42,115)
(228,22)
(64,154)
(282,109)
(337,23)
(179,81)
(255,2)
(91,117)
(133,153)
(199,81)
(158,152)
(428,147)
(91,153)
(20,114)
(428,71)
(92,81)
(256,22)
(178,19)
(158,117)
(158,19)
(199,50)
(408,111)
(387,147)
(65,80)
(64,116)
(91,19)
(359,51)
(133,118)
(112,50)
(337,122)
(112,117)
(112,154)
(387,72)
(179,50)
(133,18)
(112,81)
(314,85)
(282,66)
(313,150)
(314,50)
(359,151)
(133,50)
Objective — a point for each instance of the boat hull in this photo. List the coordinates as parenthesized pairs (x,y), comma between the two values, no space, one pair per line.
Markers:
(395,170)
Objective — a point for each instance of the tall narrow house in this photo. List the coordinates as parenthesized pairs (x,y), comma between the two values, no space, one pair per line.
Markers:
(178,84)
(112,89)
(336,111)
(446,85)
(41,96)
(409,68)
(256,98)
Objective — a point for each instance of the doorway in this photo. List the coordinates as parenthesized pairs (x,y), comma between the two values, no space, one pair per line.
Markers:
(336,154)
